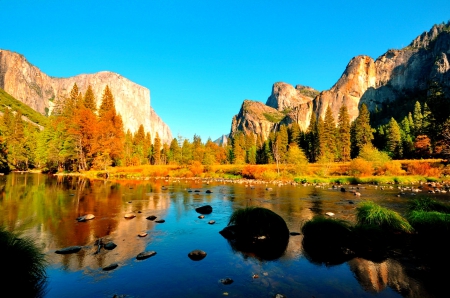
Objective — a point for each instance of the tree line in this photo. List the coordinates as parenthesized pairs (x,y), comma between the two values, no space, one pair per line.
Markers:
(81,136)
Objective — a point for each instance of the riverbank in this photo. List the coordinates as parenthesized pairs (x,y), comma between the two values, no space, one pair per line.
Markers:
(410,172)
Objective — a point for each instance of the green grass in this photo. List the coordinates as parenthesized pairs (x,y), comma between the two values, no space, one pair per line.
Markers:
(24,264)
(274,118)
(428,205)
(369,213)
(430,221)
(7,100)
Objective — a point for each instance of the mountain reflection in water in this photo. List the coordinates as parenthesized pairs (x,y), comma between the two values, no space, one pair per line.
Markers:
(46,208)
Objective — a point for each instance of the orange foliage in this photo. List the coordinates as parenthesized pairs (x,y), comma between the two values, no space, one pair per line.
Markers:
(360,167)
(196,168)
(253,171)
(423,169)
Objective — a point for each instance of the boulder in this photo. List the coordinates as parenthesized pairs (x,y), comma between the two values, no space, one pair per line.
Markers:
(294,233)
(209,191)
(201,216)
(129,215)
(142,234)
(211,222)
(160,221)
(151,217)
(197,255)
(145,255)
(229,232)
(68,250)
(207,209)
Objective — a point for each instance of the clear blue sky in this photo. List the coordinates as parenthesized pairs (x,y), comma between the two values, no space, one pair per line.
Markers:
(201,59)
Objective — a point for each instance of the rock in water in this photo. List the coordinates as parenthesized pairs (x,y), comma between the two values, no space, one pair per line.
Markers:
(145,255)
(160,221)
(197,255)
(68,250)
(111,267)
(294,233)
(330,213)
(129,215)
(207,209)
(342,189)
(151,217)
(226,281)
(86,217)
(209,191)
(110,245)
(211,222)
(201,216)
(142,234)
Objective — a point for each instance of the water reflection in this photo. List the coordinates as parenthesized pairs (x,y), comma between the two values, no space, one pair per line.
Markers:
(46,208)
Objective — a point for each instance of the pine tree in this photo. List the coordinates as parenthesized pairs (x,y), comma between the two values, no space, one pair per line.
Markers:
(418,119)
(283,139)
(394,145)
(157,150)
(294,134)
(107,104)
(343,139)
(89,99)
(361,131)
(313,141)
(328,137)
(175,152)
(238,144)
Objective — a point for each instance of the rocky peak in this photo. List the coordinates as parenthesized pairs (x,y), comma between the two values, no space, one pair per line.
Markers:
(284,96)
(423,40)
(31,86)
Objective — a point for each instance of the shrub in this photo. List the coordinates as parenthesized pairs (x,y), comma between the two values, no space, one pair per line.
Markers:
(253,172)
(196,168)
(360,167)
(369,213)
(423,169)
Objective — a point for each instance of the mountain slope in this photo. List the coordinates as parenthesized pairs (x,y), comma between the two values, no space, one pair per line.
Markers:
(31,86)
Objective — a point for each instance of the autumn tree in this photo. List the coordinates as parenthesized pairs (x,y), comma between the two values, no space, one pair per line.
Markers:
(89,99)
(156,150)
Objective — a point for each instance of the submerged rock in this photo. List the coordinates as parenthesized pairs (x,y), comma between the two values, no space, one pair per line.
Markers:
(151,217)
(129,215)
(145,255)
(209,191)
(110,245)
(229,232)
(226,281)
(294,233)
(207,209)
(197,255)
(160,221)
(68,250)
(110,267)
(201,216)
(142,234)
(211,222)
(86,217)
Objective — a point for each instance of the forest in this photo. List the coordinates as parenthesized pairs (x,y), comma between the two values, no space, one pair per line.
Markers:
(79,136)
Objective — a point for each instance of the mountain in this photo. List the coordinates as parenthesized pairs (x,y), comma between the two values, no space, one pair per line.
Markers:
(389,86)
(30,85)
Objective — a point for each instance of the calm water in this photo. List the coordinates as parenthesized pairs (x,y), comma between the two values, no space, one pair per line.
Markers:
(46,208)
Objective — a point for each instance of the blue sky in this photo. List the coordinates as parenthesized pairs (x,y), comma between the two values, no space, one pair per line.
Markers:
(201,59)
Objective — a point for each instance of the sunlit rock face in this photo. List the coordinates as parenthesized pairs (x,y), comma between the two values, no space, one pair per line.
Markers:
(389,79)
(30,85)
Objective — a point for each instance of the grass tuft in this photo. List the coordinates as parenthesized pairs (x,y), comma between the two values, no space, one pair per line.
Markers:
(369,213)
(427,204)
(25,263)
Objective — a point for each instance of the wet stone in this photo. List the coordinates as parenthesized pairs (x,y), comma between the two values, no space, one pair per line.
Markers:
(151,217)
(294,233)
(160,221)
(207,209)
(86,217)
(226,281)
(201,216)
(211,222)
(110,245)
(142,234)
(68,250)
(129,215)
(209,191)
(197,255)
(145,255)
(111,267)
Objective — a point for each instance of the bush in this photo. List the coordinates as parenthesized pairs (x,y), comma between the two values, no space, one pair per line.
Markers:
(369,213)
(253,171)
(423,169)
(360,167)
(432,221)
(196,168)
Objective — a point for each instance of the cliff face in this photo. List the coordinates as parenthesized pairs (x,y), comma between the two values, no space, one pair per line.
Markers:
(388,79)
(28,84)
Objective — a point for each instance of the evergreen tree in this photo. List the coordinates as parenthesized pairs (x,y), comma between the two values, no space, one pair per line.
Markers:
(313,141)
(198,150)
(107,104)
(175,152)
(418,119)
(186,150)
(394,140)
(294,134)
(238,143)
(361,131)
(283,140)
(343,139)
(89,99)
(157,150)
(328,137)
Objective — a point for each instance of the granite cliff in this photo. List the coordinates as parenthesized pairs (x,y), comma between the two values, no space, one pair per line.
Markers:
(391,79)
(36,89)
